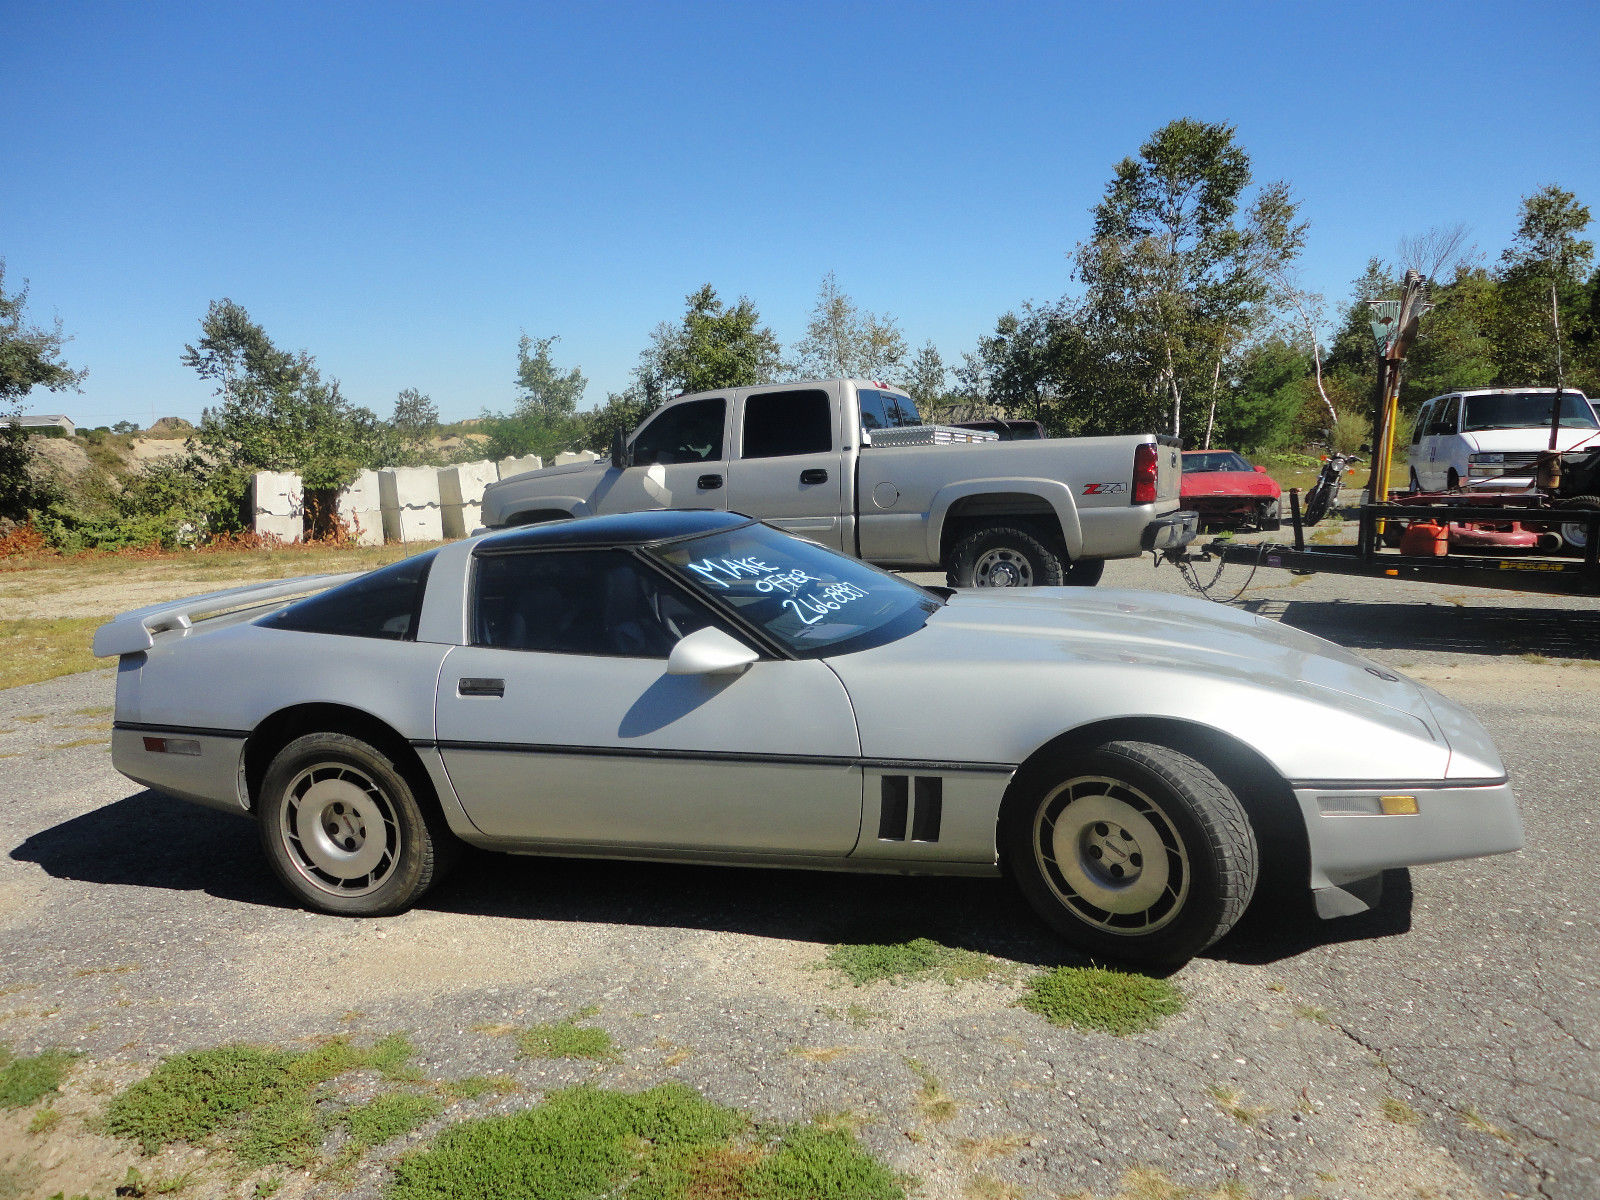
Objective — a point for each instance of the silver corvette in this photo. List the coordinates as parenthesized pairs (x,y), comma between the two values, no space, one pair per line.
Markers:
(698,686)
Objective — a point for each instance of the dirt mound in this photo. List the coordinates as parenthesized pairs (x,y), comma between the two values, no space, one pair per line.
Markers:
(170,426)
(62,459)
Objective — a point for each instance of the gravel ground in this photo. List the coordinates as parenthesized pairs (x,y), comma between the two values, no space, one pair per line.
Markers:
(132,926)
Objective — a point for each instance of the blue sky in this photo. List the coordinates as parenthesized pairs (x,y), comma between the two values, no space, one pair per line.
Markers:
(402,189)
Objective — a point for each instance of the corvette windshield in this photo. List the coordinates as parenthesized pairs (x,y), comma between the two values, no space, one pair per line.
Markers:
(812,600)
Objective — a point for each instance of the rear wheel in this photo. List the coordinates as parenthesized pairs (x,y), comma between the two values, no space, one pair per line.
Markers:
(1131,850)
(1576,533)
(1003,556)
(344,829)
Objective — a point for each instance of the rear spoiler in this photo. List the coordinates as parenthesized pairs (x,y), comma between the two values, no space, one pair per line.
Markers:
(131,632)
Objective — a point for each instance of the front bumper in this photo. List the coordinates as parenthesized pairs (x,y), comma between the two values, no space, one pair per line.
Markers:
(1171,532)
(1351,841)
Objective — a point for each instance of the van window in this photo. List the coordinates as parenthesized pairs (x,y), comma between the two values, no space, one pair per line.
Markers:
(1526,410)
(1424,414)
(684,433)
(1445,418)
(778,424)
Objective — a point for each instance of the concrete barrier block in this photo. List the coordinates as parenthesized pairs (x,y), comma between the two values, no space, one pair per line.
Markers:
(413,525)
(362,493)
(278,493)
(459,520)
(287,529)
(577,456)
(408,487)
(464,482)
(365,525)
(519,466)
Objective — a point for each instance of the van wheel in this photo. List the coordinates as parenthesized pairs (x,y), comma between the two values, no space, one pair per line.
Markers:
(1002,556)
(1452,480)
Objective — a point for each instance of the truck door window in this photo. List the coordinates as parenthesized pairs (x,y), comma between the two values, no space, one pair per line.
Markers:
(684,433)
(778,424)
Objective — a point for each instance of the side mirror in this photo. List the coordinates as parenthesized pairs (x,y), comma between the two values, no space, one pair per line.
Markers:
(1260,468)
(709,651)
(619,450)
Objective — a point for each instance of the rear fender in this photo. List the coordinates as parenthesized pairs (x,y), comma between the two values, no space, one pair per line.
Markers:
(995,499)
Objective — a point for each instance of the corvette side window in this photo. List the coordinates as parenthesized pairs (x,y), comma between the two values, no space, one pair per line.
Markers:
(580,602)
(686,433)
(381,604)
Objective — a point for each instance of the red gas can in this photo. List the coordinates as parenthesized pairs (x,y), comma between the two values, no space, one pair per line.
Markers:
(1425,538)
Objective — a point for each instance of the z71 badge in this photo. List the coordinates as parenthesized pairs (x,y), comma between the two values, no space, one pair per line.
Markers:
(1103,489)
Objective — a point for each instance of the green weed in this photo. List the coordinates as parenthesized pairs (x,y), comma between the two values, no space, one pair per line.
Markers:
(665,1142)
(385,1118)
(1094,998)
(566,1039)
(25,1081)
(920,958)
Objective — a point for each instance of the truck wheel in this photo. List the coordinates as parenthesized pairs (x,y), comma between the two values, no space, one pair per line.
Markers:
(1131,850)
(1002,556)
(1576,533)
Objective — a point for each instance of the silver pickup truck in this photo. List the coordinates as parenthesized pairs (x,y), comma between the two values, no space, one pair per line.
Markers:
(850,464)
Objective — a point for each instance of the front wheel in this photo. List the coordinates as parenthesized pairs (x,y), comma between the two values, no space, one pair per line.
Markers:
(1318,500)
(1131,850)
(344,829)
(1002,556)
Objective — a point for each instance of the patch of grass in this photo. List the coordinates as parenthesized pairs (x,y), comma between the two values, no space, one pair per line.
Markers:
(1230,1101)
(77,742)
(1479,1124)
(266,1188)
(920,958)
(25,1081)
(259,1097)
(474,1086)
(567,1039)
(1399,1112)
(1312,1012)
(135,1184)
(933,1102)
(1094,998)
(385,1118)
(44,1121)
(987,1187)
(44,648)
(665,1142)
(1538,659)
(978,1149)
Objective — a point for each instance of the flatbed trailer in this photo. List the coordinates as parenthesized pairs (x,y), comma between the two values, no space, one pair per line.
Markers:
(1567,575)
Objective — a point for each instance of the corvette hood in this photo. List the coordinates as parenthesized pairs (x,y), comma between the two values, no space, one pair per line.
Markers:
(1228,483)
(1037,627)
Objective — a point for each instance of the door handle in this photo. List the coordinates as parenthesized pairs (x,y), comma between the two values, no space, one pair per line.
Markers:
(709,483)
(481,687)
(814,475)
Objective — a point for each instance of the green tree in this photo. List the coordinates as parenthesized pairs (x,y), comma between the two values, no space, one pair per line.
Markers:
(621,413)
(30,357)
(843,341)
(928,382)
(275,412)
(713,346)
(1543,273)
(415,421)
(544,419)
(1175,274)
(1260,412)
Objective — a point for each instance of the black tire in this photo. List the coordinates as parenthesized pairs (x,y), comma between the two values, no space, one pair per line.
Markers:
(1268,516)
(1318,500)
(345,829)
(1187,880)
(1575,534)
(1003,556)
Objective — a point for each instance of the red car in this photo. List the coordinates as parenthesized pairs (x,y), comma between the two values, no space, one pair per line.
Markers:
(1227,491)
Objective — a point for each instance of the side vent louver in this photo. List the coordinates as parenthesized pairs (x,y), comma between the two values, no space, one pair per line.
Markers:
(910,808)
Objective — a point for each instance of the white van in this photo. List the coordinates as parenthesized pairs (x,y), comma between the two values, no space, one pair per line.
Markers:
(1490,438)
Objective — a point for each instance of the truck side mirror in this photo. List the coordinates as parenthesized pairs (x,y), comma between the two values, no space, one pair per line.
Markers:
(619,450)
